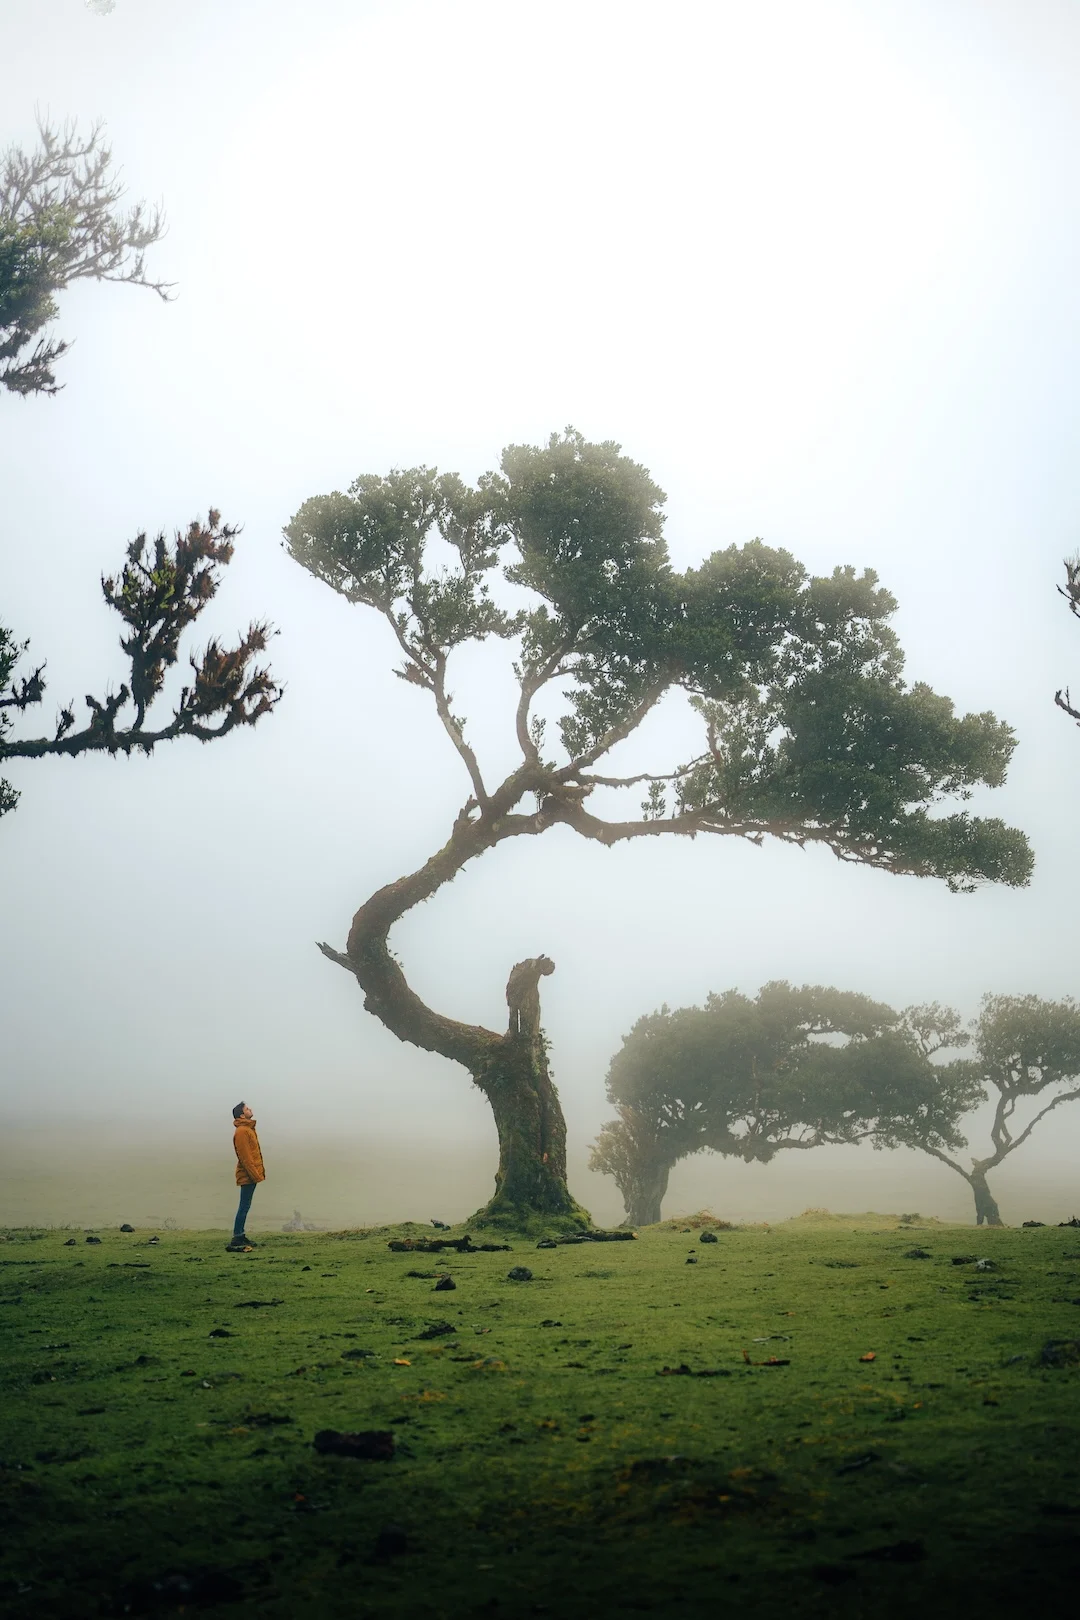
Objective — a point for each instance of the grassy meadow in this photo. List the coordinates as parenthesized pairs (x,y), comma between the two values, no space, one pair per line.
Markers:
(625,1433)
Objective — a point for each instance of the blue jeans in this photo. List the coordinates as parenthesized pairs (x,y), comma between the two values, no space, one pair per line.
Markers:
(247,1193)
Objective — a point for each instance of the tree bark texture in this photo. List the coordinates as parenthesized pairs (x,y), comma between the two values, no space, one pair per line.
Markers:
(511,1069)
(644,1195)
(986,1209)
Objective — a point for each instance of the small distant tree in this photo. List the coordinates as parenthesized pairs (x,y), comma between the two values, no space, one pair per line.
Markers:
(810,733)
(794,1068)
(61,220)
(1025,1050)
(159,593)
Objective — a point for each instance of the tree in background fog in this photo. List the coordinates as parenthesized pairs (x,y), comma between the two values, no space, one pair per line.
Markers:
(793,1068)
(809,733)
(1026,1051)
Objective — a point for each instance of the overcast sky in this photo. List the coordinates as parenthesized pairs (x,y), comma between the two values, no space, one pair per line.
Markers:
(815,266)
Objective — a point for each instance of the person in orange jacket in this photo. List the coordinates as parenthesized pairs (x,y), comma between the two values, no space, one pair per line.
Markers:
(249,1170)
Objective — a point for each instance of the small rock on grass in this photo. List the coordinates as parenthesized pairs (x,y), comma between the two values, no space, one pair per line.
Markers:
(519,1274)
(1060,1353)
(93,1240)
(127,1228)
(70,1243)
(367,1445)
(444,1285)
(175,1591)
(708,1237)
(437,1330)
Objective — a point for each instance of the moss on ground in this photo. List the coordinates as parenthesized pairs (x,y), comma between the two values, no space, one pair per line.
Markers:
(160,1401)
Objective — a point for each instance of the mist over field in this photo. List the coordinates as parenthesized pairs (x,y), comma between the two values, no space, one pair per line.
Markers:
(813,267)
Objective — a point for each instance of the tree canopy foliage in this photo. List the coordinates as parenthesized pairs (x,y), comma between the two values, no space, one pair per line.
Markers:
(61,220)
(803,1068)
(809,731)
(1026,1056)
(159,593)
(794,1067)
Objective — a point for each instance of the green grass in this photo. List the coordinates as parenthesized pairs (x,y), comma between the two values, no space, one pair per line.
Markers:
(542,1469)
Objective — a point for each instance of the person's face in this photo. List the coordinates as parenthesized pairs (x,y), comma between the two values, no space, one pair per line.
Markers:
(247,1114)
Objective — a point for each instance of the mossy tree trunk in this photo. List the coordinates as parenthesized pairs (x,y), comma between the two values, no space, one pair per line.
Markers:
(644,1195)
(511,1069)
(986,1209)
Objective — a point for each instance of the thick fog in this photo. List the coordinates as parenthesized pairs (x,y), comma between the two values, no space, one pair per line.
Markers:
(816,267)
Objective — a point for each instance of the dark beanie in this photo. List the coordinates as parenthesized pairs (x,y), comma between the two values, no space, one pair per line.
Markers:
(238,1110)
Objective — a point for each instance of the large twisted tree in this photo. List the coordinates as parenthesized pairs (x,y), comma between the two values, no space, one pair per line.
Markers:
(810,734)
(793,1068)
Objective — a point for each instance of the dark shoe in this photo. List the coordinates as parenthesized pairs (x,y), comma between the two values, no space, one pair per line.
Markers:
(239,1244)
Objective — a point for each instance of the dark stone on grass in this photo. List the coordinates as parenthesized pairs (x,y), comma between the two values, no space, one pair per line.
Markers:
(257,1304)
(832,1574)
(1033,1223)
(127,1228)
(220,1333)
(368,1445)
(444,1285)
(391,1542)
(964,1259)
(691,1259)
(70,1244)
(1074,1222)
(853,1464)
(93,1240)
(440,1226)
(841,1265)
(1060,1353)
(201,1587)
(547,1243)
(708,1237)
(437,1330)
(153,1240)
(548,1322)
(917,1254)
(896,1552)
(357,1355)
(519,1274)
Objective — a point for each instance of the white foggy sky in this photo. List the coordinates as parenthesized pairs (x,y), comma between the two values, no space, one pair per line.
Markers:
(814,266)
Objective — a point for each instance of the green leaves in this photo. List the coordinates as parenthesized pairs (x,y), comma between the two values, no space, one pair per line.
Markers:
(1025,1045)
(811,733)
(370,546)
(159,593)
(60,222)
(792,1068)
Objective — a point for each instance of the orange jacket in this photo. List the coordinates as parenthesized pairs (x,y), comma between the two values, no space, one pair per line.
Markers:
(249,1161)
